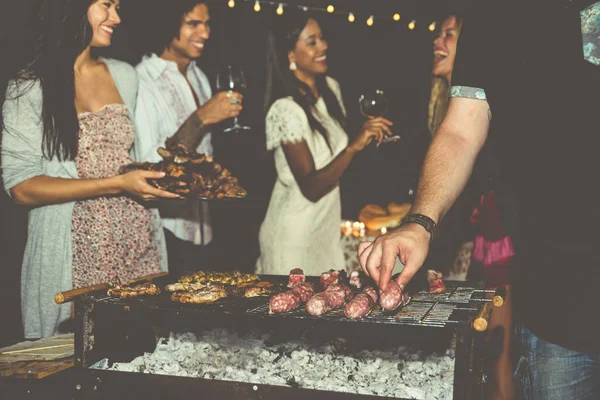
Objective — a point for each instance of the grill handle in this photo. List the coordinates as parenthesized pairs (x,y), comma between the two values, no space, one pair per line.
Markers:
(500,296)
(70,295)
(481,322)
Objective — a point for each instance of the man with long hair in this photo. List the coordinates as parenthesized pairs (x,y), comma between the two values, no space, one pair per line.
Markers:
(175,102)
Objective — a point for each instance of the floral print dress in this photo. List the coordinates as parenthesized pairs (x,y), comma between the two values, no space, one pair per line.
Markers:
(113,236)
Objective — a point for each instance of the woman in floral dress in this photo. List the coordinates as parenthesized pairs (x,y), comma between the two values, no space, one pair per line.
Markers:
(66,132)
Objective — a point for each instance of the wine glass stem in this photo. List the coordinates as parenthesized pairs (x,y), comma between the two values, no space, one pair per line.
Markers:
(235,121)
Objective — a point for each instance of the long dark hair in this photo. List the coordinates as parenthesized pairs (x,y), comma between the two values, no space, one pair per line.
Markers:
(62,32)
(281,82)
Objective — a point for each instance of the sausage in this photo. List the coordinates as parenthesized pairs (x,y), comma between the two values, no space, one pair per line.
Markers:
(372,292)
(284,302)
(391,297)
(296,277)
(306,290)
(362,304)
(333,297)
(359,307)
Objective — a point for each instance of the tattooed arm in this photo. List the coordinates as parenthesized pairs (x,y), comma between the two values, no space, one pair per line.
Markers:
(219,108)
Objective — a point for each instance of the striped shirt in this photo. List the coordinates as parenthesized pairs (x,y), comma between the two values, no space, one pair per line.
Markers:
(165,101)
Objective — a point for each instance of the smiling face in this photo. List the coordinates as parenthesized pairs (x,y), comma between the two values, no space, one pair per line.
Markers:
(194,33)
(444,49)
(310,53)
(103,16)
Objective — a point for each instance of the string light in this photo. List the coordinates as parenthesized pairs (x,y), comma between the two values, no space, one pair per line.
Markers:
(331,9)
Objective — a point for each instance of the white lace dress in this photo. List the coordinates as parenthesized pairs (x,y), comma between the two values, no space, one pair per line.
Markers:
(296,232)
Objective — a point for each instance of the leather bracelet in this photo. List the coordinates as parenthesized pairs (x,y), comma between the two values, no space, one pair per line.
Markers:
(423,220)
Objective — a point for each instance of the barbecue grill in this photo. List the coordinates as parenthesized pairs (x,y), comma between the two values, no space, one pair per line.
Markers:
(109,328)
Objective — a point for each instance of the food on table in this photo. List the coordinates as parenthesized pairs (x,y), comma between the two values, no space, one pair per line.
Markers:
(395,208)
(436,282)
(290,300)
(225,278)
(209,294)
(330,277)
(125,292)
(375,217)
(362,305)
(296,277)
(334,297)
(190,173)
(392,296)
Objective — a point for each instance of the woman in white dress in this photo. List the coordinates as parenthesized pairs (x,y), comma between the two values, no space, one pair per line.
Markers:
(305,127)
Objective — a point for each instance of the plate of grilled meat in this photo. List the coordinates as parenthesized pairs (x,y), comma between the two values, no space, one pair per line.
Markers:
(191,175)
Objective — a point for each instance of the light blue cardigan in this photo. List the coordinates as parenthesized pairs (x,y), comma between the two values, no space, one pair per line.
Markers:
(47,262)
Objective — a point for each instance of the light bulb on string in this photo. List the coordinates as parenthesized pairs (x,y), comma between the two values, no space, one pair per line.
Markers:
(351,17)
(231,3)
(330,8)
(280,9)
(257,6)
(432,26)
(370,21)
(411,24)
(396,17)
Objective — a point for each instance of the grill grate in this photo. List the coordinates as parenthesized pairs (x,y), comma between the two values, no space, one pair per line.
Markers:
(458,305)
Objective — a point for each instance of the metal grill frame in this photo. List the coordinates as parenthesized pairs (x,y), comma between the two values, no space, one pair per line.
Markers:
(97,336)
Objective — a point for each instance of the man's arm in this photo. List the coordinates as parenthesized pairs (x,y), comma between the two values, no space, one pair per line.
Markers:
(447,167)
(219,108)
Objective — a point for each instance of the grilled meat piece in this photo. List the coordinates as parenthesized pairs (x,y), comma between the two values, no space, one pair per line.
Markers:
(332,298)
(202,296)
(330,277)
(362,304)
(391,297)
(290,300)
(190,173)
(296,277)
(436,283)
(185,287)
(126,292)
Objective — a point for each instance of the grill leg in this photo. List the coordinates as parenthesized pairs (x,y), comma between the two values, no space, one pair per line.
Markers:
(468,366)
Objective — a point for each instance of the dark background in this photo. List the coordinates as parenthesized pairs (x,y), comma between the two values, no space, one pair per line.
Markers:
(387,55)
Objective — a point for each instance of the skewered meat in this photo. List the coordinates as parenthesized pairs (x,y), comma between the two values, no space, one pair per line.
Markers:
(126,292)
(330,277)
(436,283)
(332,298)
(208,295)
(290,300)
(356,279)
(187,172)
(391,297)
(296,277)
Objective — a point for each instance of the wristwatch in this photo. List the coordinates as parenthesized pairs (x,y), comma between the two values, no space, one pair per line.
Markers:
(420,219)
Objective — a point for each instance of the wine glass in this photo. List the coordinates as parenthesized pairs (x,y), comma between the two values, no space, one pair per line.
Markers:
(232,79)
(373,104)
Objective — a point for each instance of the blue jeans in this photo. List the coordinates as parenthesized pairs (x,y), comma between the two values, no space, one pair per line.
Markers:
(547,371)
